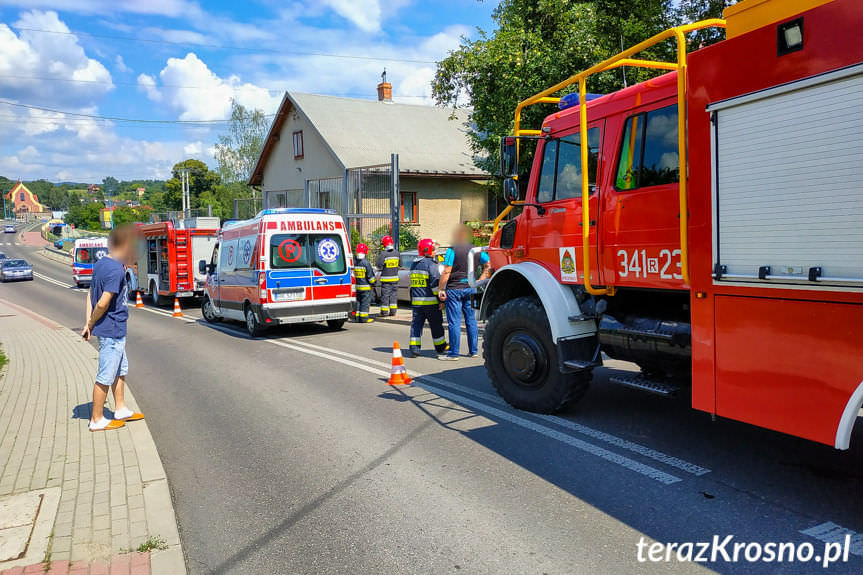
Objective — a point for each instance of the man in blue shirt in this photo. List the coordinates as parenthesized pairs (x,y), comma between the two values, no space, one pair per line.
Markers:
(106,319)
(456,293)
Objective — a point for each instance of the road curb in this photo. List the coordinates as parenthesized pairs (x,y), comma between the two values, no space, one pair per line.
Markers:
(55,256)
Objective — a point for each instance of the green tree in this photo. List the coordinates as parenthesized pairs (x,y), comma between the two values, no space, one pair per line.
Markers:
(237,151)
(85,216)
(695,10)
(201,180)
(125,215)
(536,44)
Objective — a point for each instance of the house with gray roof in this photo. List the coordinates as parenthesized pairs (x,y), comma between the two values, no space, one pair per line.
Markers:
(316,142)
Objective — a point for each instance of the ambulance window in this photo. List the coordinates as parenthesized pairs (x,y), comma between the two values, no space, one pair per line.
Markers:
(568,184)
(288,251)
(648,151)
(545,190)
(327,253)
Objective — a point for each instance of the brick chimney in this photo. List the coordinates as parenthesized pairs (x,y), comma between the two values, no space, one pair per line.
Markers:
(385,89)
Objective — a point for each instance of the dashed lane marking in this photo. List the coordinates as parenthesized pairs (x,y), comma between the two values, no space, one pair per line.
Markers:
(631,464)
(643,450)
(829,532)
(426,381)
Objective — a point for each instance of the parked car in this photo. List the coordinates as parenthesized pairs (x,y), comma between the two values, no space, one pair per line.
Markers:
(9,229)
(16,270)
(58,244)
(406,258)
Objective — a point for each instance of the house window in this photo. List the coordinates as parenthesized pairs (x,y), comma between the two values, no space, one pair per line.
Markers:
(410,209)
(21,197)
(298,144)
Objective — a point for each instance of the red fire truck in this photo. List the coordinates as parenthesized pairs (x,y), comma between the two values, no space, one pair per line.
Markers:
(168,256)
(742,273)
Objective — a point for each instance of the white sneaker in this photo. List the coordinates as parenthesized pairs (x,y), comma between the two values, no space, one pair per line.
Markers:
(105,424)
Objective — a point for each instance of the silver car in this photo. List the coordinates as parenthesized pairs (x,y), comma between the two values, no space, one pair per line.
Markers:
(406,259)
(16,270)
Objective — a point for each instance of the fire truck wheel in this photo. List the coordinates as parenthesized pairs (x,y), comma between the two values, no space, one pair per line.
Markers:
(208,311)
(335,324)
(253,326)
(158,300)
(521,359)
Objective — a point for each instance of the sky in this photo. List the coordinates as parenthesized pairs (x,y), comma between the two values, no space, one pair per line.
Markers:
(182,61)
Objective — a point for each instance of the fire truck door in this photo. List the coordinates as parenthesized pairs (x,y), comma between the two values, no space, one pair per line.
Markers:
(556,234)
(640,223)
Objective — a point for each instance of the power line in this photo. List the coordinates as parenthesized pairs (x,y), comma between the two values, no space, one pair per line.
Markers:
(139,85)
(227,47)
(119,119)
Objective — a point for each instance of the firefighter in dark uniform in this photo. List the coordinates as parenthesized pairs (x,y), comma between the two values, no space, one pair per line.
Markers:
(364,277)
(425,276)
(388,262)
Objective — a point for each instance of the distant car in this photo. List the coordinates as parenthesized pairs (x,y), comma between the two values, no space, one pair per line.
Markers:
(58,244)
(16,270)
(9,229)
(3,257)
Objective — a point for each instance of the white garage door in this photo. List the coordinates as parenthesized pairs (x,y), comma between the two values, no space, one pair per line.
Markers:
(788,181)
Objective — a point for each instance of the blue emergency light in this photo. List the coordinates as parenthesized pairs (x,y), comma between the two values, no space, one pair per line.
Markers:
(571,100)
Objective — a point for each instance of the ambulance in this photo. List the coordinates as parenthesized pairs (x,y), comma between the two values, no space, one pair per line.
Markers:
(283,266)
(85,253)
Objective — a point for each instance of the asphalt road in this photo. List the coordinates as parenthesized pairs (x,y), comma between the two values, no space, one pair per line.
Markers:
(290,454)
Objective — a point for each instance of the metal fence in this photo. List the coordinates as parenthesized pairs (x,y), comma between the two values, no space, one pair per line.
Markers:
(245,208)
(327,193)
(369,202)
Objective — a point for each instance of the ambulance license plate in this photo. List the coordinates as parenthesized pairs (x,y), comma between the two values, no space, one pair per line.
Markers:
(289,294)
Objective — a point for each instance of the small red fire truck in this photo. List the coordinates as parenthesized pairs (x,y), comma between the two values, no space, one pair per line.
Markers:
(167,257)
(706,225)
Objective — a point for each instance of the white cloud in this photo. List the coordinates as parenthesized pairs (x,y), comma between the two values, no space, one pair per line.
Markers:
(147,84)
(172,8)
(120,64)
(193,148)
(28,58)
(364,14)
(188,86)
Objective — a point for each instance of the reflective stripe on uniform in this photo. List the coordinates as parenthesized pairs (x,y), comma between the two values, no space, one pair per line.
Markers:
(394,307)
(415,341)
(440,341)
(389,279)
(419,300)
(364,288)
(362,314)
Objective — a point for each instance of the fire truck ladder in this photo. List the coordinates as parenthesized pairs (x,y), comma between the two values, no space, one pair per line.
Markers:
(624,59)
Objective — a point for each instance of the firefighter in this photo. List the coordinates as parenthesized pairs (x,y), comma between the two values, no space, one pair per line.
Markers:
(388,263)
(364,276)
(425,275)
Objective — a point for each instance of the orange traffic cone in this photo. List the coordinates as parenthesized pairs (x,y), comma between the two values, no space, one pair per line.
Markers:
(177,311)
(398,375)
(138,301)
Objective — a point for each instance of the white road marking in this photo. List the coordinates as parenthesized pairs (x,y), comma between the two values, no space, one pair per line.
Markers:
(55,282)
(829,532)
(563,422)
(631,464)
(371,366)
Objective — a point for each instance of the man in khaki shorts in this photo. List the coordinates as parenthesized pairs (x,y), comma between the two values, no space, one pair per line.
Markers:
(106,318)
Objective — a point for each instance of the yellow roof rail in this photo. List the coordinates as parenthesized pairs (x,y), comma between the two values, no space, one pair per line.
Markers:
(624,58)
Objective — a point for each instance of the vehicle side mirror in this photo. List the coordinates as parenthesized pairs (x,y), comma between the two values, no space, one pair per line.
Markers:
(508,157)
(510,190)
(202,267)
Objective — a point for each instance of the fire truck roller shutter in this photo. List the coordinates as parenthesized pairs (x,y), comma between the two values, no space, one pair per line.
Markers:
(787,175)
(557,299)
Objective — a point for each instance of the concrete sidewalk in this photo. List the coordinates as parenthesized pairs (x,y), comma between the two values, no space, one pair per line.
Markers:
(72,501)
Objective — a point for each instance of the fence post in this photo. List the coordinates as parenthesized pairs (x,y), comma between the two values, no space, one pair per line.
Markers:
(308,192)
(236,209)
(395,199)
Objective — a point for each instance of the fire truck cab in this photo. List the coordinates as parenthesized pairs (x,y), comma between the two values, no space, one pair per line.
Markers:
(706,225)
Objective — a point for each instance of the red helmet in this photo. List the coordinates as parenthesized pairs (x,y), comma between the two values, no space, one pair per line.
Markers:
(387,241)
(362,249)
(426,248)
